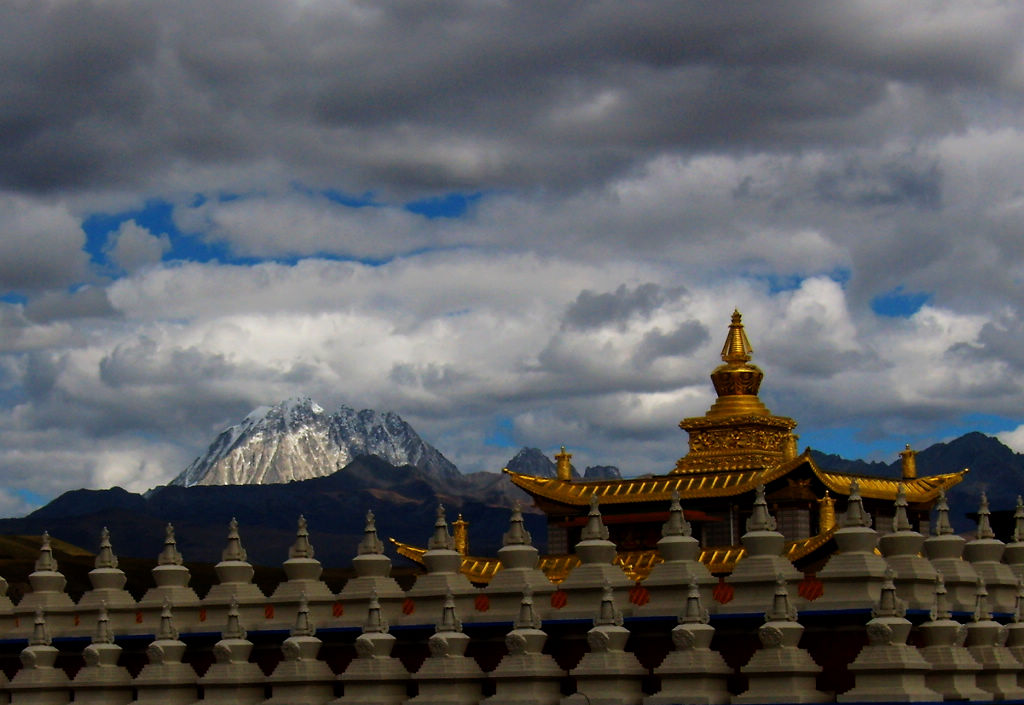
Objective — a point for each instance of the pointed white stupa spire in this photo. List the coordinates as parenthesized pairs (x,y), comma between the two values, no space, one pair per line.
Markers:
(105,558)
(375,622)
(40,634)
(595,528)
(167,631)
(940,610)
(609,614)
(984,524)
(302,548)
(760,519)
(676,524)
(888,604)
(782,609)
(103,633)
(371,545)
(234,629)
(694,612)
(170,555)
(855,514)
(517,535)
(900,520)
(46,561)
(527,618)
(943,527)
(1018,521)
(303,626)
(449,620)
(233,551)
(441,539)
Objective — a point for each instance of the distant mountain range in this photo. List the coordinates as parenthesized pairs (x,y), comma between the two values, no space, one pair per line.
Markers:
(294,458)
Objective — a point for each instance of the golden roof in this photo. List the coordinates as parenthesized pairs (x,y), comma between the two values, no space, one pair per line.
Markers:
(645,489)
(918,489)
(725,483)
(637,565)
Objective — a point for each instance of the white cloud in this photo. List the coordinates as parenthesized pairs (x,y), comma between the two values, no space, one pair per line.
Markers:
(133,246)
(1013,439)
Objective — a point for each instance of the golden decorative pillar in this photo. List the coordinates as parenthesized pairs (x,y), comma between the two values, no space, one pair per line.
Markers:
(563,466)
(909,462)
(460,535)
(826,513)
(790,450)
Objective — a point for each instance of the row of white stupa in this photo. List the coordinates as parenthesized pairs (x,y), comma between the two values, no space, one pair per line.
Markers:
(855,578)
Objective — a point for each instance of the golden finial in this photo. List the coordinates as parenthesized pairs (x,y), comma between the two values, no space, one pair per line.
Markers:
(460,535)
(563,466)
(909,463)
(826,513)
(737,348)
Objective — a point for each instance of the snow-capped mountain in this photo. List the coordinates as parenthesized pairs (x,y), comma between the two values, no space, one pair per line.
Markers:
(298,440)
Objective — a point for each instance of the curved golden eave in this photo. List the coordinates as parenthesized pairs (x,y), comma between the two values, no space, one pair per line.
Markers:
(637,565)
(918,489)
(725,483)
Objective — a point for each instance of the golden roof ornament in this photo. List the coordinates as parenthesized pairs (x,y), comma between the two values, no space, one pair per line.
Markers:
(563,466)
(908,462)
(737,381)
(826,513)
(460,535)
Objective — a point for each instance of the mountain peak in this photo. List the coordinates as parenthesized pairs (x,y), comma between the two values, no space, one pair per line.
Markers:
(296,439)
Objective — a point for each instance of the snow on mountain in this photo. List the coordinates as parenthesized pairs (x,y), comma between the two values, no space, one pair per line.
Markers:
(297,439)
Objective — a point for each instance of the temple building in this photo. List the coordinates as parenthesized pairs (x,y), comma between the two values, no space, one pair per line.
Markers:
(736,446)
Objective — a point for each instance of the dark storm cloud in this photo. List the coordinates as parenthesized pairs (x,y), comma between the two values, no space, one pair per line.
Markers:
(454,94)
(681,342)
(592,310)
(86,302)
(893,184)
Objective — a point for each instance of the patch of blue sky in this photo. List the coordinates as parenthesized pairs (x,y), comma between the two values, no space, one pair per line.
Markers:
(502,433)
(156,216)
(449,205)
(780,283)
(14,297)
(898,303)
(850,443)
(29,497)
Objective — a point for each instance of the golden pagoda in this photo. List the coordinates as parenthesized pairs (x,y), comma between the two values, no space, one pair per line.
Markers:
(737,445)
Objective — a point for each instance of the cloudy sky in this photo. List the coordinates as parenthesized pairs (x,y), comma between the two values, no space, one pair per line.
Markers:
(513,223)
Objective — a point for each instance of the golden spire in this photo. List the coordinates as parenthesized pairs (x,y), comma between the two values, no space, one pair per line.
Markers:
(737,348)
(737,380)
